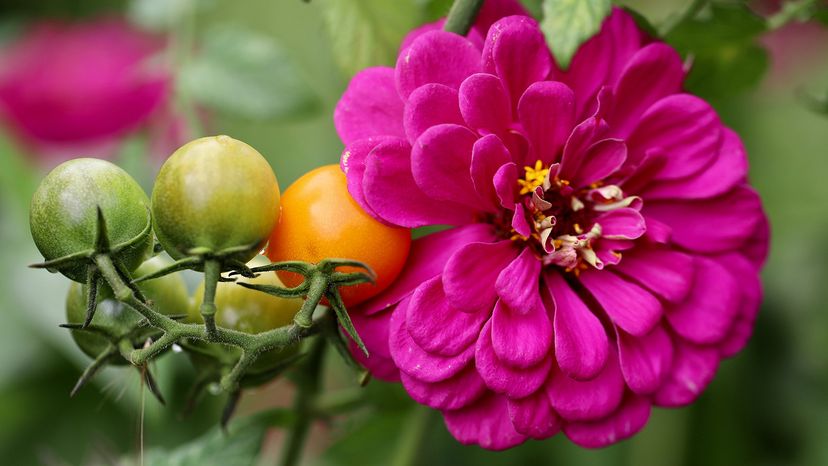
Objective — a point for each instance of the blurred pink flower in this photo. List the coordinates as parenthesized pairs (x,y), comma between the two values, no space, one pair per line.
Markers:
(69,86)
(604,247)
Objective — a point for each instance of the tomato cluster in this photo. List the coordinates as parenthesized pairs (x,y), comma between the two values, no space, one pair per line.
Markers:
(215,199)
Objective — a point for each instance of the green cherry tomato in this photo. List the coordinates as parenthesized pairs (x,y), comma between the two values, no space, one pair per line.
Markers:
(251,311)
(63,215)
(168,295)
(215,193)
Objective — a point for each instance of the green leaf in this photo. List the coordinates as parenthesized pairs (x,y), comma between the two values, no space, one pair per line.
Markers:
(368,32)
(726,58)
(248,75)
(569,23)
(239,447)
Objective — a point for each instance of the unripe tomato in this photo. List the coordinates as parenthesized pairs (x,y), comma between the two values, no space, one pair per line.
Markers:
(63,216)
(321,220)
(251,311)
(215,193)
(168,295)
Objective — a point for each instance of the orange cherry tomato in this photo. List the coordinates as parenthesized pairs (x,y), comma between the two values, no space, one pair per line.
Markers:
(321,220)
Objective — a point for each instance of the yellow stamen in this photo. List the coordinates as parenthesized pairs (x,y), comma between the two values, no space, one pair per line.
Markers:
(534,177)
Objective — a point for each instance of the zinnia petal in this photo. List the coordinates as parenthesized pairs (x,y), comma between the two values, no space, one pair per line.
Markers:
(581,343)
(533,416)
(475,292)
(370,107)
(521,339)
(391,192)
(415,361)
(589,399)
(503,378)
(485,423)
(436,57)
(629,306)
(436,326)
(626,422)
(430,105)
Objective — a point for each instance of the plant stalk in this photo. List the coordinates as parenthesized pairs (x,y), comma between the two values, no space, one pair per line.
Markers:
(461,16)
(304,405)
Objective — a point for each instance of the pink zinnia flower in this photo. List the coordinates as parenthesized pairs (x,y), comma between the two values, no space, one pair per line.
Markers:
(604,246)
(69,86)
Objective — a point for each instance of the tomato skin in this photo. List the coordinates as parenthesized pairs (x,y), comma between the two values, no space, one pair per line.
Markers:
(250,311)
(63,214)
(321,220)
(216,193)
(168,295)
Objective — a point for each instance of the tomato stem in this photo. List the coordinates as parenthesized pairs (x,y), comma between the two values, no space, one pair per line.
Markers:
(212,274)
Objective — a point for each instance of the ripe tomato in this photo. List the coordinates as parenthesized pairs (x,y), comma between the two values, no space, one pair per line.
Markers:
(63,216)
(251,311)
(168,295)
(215,193)
(321,220)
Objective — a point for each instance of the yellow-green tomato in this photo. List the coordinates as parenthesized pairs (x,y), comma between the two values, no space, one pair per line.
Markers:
(63,215)
(251,311)
(215,193)
(168,295)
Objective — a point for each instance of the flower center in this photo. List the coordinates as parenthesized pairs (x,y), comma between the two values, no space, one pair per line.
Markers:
(562,222)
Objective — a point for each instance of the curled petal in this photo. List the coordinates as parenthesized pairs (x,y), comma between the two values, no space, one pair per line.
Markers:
(624,223)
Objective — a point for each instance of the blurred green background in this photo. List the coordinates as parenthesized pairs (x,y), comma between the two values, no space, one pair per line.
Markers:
(767,406)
